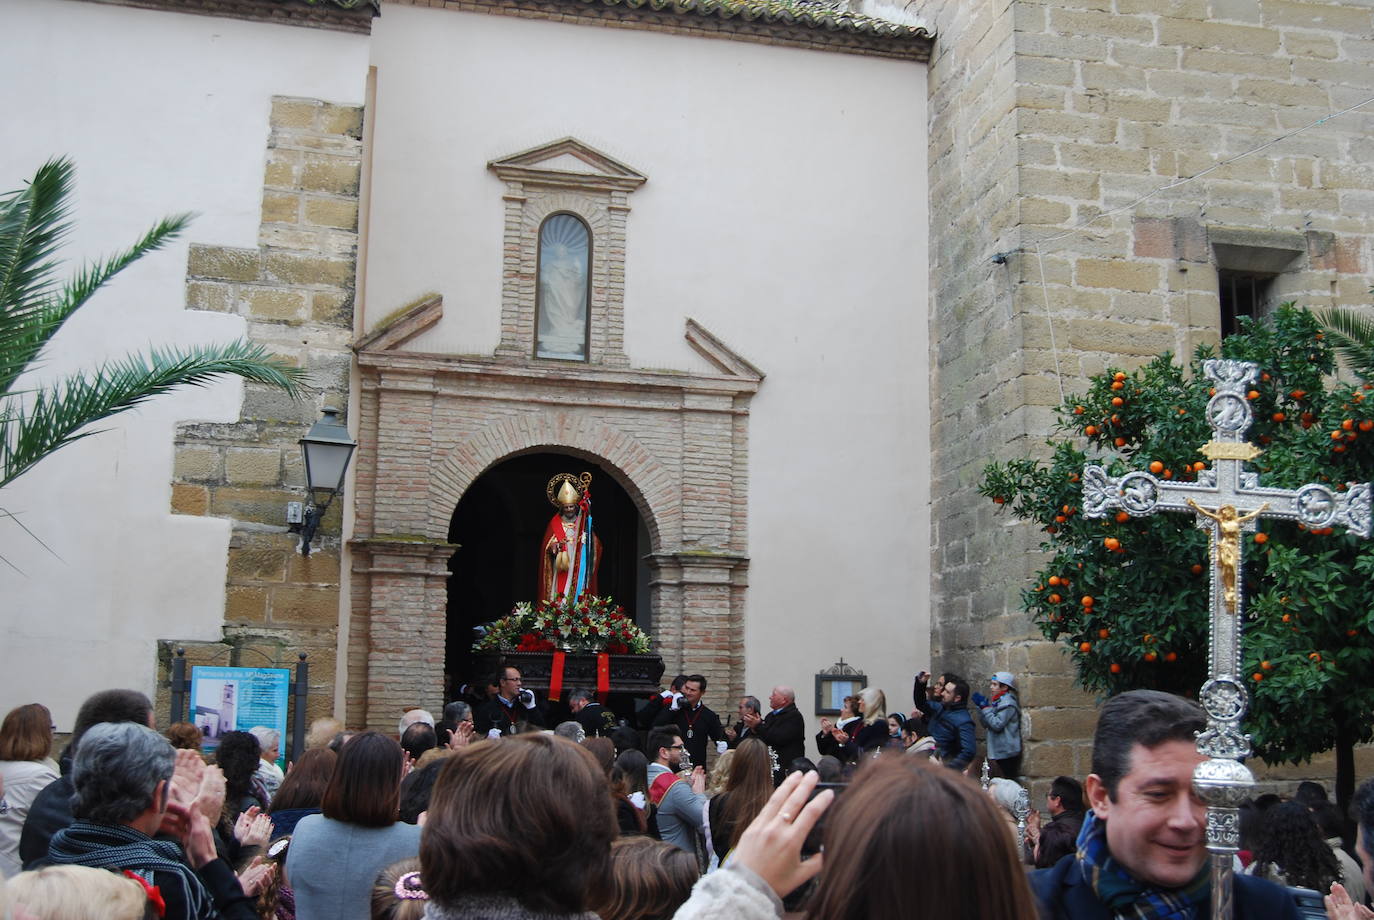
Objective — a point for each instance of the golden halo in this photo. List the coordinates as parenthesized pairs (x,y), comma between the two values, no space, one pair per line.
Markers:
(579,483)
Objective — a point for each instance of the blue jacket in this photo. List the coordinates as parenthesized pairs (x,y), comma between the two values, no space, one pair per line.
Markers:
(952,728)
(1002,719)
(1061,893)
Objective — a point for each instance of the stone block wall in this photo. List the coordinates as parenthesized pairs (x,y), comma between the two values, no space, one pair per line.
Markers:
(1053,125)
(296,291)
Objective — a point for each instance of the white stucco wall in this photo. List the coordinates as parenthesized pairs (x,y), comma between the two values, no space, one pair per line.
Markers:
(161,112)
(785,211)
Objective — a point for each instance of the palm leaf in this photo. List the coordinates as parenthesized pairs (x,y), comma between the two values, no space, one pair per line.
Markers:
(1352,335)
(60,415)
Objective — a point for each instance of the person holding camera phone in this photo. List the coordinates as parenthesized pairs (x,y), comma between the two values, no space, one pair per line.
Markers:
(511,711)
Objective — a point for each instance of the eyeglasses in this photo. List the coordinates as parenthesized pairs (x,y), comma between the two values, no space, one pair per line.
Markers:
(678,747)
(514,680)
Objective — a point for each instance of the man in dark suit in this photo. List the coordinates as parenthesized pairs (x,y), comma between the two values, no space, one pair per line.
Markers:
(696,722)
(512,710)
(783,730)
(737,733)
(595,719)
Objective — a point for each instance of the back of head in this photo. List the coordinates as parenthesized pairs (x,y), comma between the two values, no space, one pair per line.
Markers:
(635,766)
(649,880)
(399,892)
(110,706)
(413,716)
(238,756)
(572,730)
(416,790)
(77,893)
(116,771)
(418,738)
(830,768)
(1069,791)
(458,711)
(366,786)
(1310,794)
(184,736)
(306,781)
(579,695)
(749,786)
(526,817)
(26,733)
(625,738)
(1291,841)
(1145,717)
(882,826)
(322,731)
(603,749)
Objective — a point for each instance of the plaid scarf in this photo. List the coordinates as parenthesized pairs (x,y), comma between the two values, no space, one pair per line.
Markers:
(115,846)
(1123,894)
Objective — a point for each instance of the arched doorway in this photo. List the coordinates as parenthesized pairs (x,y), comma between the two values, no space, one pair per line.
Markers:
(497,526)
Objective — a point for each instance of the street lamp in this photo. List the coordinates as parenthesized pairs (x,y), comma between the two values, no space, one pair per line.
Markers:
(327,449)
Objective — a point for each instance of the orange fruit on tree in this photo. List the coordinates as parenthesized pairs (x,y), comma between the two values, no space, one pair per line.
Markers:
(1120,442)
(1060,519)
(1085,647)
(1103,633)
(1297,394)
(1279,416)
(1112,543)
(1257,677)
(1150,656)
(1315,656)
(1261,537)
(1118,402)
(1054,598)
(1265,665)
(1197,568)
(998,500)
(1088,600)
(1352,633)
(1253,394)
(1171,656)
(1119,375)
(1118,385)
(1090,431)
(1078,410)
(1156,466)
(1054,581)
(1116,668)
(1147,639)
(1367,425)
(1348,424)
(1122,517)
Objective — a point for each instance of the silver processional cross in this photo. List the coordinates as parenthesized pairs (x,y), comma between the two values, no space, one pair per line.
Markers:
(1226,500)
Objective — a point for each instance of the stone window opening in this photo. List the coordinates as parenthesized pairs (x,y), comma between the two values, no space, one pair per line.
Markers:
(1255,270)
(1243,294)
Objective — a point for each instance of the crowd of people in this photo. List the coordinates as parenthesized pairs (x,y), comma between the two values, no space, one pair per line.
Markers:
(488,813)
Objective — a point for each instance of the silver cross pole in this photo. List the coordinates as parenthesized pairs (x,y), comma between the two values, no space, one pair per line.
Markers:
(1226,500)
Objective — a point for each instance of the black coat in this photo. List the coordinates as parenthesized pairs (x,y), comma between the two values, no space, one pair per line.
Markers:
(702,722)
(785,732)
(50,812)
(1061,893)
(494,714)
(596,720)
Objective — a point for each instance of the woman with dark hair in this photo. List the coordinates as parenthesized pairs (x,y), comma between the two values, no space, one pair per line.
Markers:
(336,855)
(747,789)
(26,768)
(630,783)
(649,880)
(515,831)
(1291,850)
(237,757)
(302,791)
(880,828)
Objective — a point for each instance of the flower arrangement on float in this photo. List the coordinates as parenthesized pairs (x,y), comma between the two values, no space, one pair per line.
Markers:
(590,624)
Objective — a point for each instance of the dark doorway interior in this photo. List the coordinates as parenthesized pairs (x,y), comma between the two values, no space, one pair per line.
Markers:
(498,525)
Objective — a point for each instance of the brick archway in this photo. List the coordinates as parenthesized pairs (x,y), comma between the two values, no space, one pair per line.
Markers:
(430,424)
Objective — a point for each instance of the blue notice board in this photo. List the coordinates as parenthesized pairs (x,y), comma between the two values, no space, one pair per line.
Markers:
(239,699)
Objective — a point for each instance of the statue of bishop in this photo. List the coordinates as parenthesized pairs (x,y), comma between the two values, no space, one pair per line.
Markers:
(570,552)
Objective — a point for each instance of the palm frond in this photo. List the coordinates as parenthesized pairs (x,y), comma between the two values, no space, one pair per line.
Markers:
(33,223)
(1352,335)
(59,415)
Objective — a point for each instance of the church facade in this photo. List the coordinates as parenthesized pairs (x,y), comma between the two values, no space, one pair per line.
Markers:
(834,260)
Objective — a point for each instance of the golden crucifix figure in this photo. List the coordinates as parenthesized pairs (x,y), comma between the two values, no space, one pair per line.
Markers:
(1228,543)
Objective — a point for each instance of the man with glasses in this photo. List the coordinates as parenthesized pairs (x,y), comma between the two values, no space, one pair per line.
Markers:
(677,806)
(511,711)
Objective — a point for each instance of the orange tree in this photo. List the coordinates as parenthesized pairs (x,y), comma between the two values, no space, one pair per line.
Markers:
(1128,596)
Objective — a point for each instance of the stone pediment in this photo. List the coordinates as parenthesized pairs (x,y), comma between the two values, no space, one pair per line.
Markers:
(568,162)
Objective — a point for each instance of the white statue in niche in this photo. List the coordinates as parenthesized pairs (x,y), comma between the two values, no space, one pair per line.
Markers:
(563,245)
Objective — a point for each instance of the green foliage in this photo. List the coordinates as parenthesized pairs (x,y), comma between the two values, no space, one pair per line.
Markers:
(34,307)
(1128,596)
